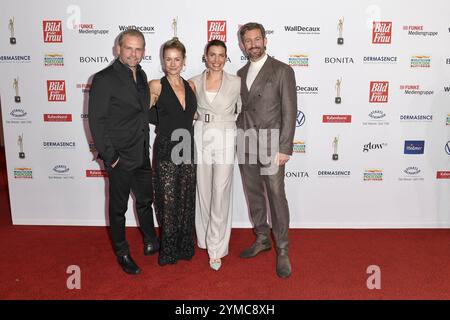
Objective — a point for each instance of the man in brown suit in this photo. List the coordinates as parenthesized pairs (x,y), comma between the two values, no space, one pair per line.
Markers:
(269,110)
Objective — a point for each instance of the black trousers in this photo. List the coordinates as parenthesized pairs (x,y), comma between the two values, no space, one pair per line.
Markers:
(121,182)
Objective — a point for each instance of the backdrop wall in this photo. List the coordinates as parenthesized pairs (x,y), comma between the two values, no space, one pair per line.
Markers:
(390,131)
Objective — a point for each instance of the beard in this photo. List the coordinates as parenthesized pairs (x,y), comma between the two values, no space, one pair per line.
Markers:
(132,62)
(256,52)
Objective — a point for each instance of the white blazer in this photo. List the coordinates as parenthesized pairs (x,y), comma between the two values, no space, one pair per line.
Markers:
(225,106)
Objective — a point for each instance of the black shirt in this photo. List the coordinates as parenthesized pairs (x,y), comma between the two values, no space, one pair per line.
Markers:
(140,84)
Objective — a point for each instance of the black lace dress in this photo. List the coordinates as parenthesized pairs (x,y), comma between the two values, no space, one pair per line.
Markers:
(174,176)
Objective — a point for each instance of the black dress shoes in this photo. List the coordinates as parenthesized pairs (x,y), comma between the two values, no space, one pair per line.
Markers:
(128,265)
(283,265)
(256,248)
(151,248)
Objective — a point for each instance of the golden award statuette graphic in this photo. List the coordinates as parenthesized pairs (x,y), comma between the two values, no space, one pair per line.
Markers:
(340,27)
(335,148)
(12,39)
(175,27)
(338,99)
(20,144)
(16,89)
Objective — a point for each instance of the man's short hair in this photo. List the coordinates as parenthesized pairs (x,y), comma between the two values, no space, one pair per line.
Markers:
(130,32)
(251,26)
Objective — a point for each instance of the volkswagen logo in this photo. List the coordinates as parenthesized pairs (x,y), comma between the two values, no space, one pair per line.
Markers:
(300,118)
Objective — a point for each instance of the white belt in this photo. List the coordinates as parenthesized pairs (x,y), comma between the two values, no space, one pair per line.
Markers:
(209,117)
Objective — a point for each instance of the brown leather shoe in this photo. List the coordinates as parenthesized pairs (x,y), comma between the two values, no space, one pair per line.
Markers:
(256,248)
(283,266)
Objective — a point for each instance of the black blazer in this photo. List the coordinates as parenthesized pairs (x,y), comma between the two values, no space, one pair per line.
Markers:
(119,116)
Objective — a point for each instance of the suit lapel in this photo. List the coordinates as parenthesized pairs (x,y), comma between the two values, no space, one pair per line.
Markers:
(144,104)
(222,89)
(261,79)
(244,89)
(202,92)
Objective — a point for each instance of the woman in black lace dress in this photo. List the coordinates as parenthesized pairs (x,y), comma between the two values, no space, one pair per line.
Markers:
(174,167)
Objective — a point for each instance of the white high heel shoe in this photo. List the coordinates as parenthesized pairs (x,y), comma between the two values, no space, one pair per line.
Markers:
(215,264)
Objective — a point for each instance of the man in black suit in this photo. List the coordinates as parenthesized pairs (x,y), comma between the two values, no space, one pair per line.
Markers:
(119,102)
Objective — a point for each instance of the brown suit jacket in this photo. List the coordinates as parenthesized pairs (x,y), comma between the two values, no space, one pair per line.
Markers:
(271,103)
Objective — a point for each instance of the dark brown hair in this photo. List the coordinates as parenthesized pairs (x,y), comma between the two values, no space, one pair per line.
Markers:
(217,43)
(251,26)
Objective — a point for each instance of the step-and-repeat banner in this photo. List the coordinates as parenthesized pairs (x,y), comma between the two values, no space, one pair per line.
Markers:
(372,144)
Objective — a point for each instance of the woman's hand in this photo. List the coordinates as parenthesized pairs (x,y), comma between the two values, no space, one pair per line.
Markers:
(155,91)
(153,99)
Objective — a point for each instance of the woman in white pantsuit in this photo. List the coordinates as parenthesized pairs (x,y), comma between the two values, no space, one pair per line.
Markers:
(218,98)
